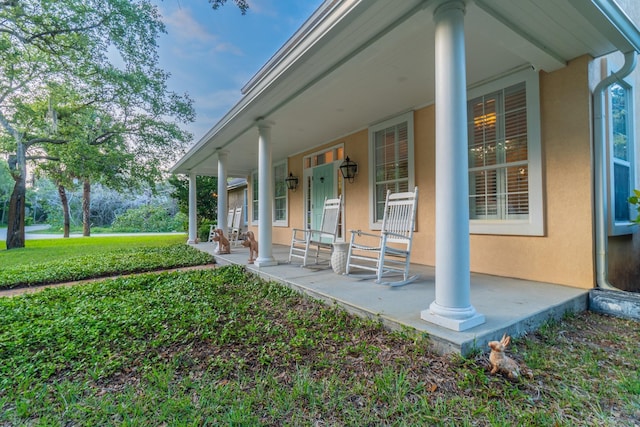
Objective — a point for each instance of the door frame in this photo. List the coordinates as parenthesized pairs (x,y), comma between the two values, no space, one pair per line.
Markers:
(310,161)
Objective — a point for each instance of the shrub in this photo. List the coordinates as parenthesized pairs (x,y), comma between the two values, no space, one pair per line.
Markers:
(203,229)
(148,219)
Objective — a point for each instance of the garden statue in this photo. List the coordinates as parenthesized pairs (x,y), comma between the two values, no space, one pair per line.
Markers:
(223,242)
(251,243)
(500,362)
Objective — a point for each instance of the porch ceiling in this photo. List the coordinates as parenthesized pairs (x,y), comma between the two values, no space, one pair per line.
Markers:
(367,61)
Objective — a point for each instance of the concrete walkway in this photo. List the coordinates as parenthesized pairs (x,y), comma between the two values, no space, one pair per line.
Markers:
(510,306)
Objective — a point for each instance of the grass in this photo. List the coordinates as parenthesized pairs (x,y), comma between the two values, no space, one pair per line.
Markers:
(60,260)
(221,346)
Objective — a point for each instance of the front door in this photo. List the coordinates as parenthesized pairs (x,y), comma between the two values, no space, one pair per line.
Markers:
(321,188)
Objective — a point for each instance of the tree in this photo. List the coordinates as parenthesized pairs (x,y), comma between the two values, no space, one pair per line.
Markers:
(6,184)
(71,41)
(242,4)
(206,189)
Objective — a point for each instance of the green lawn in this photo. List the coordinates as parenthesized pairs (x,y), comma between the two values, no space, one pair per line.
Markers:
(221,347)
(60,260)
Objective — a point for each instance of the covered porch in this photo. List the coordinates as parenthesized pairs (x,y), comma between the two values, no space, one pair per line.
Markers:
(510,306)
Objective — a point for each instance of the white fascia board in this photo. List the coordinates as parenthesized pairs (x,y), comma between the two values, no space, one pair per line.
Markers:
(612,21)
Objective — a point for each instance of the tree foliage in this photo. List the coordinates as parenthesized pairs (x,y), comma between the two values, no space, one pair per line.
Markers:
(206,194)
(242,4)
(106,51)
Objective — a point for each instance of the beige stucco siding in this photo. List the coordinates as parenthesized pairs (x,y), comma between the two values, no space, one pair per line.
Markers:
(563,255)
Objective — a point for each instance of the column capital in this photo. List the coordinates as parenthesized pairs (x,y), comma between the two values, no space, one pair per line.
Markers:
(221,152)
(263,123)
(449,5)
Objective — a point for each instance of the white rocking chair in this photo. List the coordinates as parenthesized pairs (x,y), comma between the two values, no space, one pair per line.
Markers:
(234,233)
(212,228)
(389,252)
(320,242)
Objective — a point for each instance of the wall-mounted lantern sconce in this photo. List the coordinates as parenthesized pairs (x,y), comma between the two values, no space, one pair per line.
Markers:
(349,169)
(292,182)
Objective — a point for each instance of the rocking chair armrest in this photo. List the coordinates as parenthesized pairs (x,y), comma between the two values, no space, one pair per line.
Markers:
(320,232)
(362,233)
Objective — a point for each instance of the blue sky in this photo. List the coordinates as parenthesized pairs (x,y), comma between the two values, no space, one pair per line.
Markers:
(211,54)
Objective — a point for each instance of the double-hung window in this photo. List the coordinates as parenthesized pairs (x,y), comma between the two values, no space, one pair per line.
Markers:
(391,160)
(279,195)
(254,198)
(505,174)
(621,158)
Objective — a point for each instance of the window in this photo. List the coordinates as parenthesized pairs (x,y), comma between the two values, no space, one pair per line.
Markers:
(498,165)
(621,156)
(391,160)
(334,155)
(505,174)
(245,206)
(279,195)
(254,198)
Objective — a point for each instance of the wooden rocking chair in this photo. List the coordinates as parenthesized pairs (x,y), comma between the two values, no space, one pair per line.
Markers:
(212,228)
(390,252)
(320,242)
(234,231)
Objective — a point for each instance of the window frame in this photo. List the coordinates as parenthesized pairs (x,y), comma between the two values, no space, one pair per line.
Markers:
(310,161)
(255,207)
(408,117)
(280,222)
(534,224)
(621,227)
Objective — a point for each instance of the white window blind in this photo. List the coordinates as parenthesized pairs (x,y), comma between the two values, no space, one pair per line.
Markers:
(498,155)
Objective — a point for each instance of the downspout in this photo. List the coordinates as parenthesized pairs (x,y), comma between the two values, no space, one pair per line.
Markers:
(600,153)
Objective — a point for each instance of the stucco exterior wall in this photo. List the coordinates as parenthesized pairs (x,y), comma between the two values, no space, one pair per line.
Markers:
(564,255)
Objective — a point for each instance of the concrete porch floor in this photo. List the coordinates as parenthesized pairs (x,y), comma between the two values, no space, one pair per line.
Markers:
(510,306)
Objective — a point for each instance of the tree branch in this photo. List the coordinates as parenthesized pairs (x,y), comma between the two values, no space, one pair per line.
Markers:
(53,33)
(54,159)
(101,139)
(45,141)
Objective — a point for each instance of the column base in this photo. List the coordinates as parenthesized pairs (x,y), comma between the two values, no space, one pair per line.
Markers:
(192,241)
(265,262)
(456,319)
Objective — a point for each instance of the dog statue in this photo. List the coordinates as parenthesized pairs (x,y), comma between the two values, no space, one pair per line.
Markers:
(223,243)
(251,243)
(500,362)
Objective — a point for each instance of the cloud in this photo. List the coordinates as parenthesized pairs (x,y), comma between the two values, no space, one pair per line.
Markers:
(262,7)
(182,24)
(187,31)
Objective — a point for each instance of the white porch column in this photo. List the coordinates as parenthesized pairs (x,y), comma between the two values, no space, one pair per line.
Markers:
(451,308)
(223,204)
(193,214)
(265,197)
